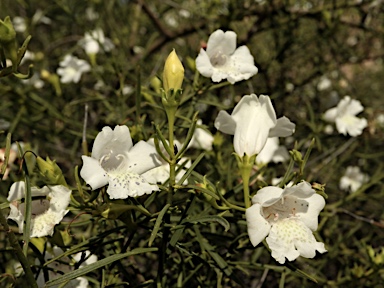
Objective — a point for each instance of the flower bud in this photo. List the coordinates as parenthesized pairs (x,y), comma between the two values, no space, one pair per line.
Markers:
(50,171)
(7,33)
(173,74)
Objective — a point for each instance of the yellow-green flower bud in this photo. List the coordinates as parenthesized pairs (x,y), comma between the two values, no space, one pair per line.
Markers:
(50,171)
(173,74)
(7,33)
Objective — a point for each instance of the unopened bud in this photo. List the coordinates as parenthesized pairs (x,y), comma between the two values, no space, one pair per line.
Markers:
(50,171)
(173,74)
(7,32)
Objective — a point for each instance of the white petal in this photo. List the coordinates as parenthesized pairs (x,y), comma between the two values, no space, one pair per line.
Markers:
(330,115)
(351,125)
(225,42)
(60,197)
(258,227)
(43,225)
(203,64)
(301,190)
(290,238)
(17,191)
(284,128)
(348,106)
(281,154)
(316,203)
(225,123)
(142,157)
(267,196)
(243,65)
(93,174)
(201,139)
(118,141)
(267,153)
(124,185)
(254,118)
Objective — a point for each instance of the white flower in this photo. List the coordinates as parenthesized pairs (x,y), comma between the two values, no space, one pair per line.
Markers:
(288,217)
(119,163)
(46,213)
(344,115)
(161,173)
(272,151)
(201,139)
(71,69)
(252,121)
(94,40)
(223,61)
(353,179)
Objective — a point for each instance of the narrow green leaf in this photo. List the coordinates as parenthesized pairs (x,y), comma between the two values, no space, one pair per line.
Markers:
(209,218)
(157,224)
(101,263)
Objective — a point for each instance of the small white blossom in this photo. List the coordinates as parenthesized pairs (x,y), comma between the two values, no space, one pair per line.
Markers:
(353,179)
(94,40)
(252,121)
(119,163)
(201,139)
(71,68)
(287,218)
(46,213)
(324,83)
(344,115)
(222,60)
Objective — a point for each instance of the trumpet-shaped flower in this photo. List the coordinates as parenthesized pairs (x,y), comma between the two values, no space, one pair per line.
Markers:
(344,115)
(94,40)
(222,60)
(119,163)
(71,69)
(252,121)
(288,217)
(353,179)
(46,213)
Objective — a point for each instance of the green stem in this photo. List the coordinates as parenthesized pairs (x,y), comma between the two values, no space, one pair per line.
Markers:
(19,252)
(245,164)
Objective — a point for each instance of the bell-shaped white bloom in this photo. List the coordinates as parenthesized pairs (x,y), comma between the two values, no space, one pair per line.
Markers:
(288,217)
(222,60)
(353,179)
(252,121)
(344,115)
(119,163)
(202,139)
(272,151)
(46,213)
(71,68)
(94,40)
(161,173)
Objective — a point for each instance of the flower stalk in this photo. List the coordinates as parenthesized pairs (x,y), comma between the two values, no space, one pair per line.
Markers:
(245,164)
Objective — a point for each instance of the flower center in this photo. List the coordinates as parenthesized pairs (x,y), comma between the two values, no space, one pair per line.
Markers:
(218,59)
(286,207)
(112,161)
(39,207)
